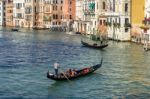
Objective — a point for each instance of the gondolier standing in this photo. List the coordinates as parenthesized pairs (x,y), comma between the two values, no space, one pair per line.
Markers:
(56,66)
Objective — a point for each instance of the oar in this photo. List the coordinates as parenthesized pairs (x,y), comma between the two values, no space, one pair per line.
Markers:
(65,75)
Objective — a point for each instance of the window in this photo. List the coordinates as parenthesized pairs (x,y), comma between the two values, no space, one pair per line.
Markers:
(56,16)
(100,22)
(104,6)
(19,15)
(70,16)
(70,2)
(56,1)
(126,20)
(53,16)
(104,22)
(56,7)
(18,5)
(53,1)
(114,3)
(126,23)
(61,1)
(119,21)
(126,7)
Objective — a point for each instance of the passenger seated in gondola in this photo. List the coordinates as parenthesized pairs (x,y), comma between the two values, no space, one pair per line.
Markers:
(61,75)
(73,73)
(86,70)
(68,72)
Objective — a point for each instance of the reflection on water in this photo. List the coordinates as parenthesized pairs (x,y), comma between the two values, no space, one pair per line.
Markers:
(25,58)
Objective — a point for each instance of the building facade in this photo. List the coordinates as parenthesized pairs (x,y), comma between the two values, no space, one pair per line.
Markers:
(39,14)
(69,13)
(118,19)
(19,13)
(57,12)
(137,19)
(47,18)
(9,13)
(89,16)
(29,17)
(1,12)
(78,16)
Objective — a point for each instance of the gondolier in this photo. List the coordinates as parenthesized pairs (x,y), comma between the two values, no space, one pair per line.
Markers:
(56,66)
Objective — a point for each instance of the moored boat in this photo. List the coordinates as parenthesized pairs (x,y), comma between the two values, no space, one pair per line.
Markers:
(95,45)
(79,73)
(15,29)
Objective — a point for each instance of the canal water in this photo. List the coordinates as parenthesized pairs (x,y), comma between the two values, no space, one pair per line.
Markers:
(25,58)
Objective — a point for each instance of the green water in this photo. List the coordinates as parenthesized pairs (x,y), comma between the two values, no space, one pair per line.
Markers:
(25,57)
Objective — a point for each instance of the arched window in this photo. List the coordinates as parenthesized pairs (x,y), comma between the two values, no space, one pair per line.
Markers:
(104,5)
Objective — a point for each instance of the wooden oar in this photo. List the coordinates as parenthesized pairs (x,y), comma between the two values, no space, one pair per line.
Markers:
(65,75)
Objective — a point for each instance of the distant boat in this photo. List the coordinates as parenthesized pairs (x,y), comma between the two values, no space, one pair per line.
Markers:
(15,29)
(78,32)
(79,73)
(36,28)
(94,45)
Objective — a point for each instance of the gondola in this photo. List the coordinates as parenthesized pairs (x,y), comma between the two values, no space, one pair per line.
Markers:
(79,73)
(36,28)
(94,45)
(15,29)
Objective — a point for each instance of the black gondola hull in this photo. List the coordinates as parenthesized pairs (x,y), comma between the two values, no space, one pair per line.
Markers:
(94,46)
(15,30)
(80,73)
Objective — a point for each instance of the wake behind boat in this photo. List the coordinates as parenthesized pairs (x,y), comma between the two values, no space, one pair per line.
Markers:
(79,73)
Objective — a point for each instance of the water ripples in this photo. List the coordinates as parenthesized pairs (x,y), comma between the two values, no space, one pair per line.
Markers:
(26,57)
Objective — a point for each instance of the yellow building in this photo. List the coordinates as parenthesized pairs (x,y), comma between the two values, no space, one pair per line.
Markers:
(137,17)
(137,12)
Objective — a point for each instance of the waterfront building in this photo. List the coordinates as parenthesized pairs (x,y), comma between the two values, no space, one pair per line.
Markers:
(111,17)
(137,6)
(19,13)
(39,13)
(89,16)
(47,18)
(69,13)
(9,12)
(118,19)
(57,12)
(29,13)
(146,32)
(1,12)
(147,8)
(78,16)
(102,17)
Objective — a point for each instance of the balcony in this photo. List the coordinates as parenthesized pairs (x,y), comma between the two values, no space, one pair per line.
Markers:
(47,18)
